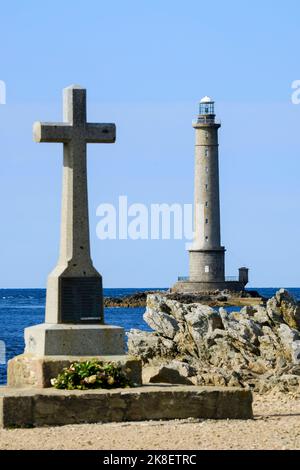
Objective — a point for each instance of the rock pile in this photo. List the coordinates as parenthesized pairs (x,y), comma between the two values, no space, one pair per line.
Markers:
(192,343)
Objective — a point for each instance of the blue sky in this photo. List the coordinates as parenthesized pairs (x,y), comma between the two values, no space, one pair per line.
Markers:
(146,64)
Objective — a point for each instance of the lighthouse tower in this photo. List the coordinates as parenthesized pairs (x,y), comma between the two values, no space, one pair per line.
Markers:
(206,255)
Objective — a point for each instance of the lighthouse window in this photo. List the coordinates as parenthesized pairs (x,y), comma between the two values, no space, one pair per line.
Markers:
(206,151)
(206,238)
(206,186)
(206,203)
(206,135)
(206,169)
(206,269)
(206,221)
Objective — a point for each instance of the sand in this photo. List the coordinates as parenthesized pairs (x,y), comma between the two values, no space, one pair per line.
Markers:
(276,425)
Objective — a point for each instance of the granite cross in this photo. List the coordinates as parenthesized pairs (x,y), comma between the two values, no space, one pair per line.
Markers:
(74,291)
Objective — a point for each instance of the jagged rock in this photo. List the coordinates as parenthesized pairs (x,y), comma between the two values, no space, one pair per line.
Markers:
(283,308)
(269,345)
(258,366)
(178,310)
(285,383)
(289,308)
(255,348)
(247,311)
(273,311)
(142,343)
(290,339)
(258,313)
(236,316)
(295,370)
(260,316)
(148,345)
(290,380)
(244,332)
(201,321)
(161,322)
(225,317)
(213,336)
(175,372)
(185,344)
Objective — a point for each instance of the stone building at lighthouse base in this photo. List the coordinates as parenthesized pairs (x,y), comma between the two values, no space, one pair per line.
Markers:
(187,286)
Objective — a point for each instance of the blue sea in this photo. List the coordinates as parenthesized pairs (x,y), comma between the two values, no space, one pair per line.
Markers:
(20,308)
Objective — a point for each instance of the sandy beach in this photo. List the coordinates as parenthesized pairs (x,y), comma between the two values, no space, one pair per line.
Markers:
(276,425)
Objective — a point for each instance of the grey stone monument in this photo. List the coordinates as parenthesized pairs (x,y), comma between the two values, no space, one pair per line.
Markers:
(74,293)
(74,305)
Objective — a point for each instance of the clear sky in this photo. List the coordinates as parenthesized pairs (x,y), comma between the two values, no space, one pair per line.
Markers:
(146,64)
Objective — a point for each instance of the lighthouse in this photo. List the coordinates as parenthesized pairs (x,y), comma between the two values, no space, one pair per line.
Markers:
(206,254)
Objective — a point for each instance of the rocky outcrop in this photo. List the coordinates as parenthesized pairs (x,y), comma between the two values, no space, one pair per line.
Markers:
(257,347)
(212,298)
(138,299)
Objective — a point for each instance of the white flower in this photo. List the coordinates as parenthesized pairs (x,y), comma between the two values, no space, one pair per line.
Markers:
(110,380)
(91,380)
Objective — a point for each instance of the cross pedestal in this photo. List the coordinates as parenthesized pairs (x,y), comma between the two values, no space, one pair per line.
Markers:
(74,324)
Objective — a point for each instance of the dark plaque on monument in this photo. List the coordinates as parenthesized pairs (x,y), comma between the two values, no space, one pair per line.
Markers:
(81,300)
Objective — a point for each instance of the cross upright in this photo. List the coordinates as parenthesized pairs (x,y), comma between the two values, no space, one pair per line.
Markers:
(74,290)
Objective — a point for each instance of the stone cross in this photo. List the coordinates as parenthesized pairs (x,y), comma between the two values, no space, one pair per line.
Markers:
(74,290)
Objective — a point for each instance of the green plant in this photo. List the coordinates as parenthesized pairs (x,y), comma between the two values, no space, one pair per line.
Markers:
(90,375)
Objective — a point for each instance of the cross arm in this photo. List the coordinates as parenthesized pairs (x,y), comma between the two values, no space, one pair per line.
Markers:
(51,132)
(100,133)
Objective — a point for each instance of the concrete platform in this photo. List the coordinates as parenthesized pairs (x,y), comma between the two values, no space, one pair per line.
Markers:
(31,371)
(51,407)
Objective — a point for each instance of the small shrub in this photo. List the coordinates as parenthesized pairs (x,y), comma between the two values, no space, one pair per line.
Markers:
(90,375)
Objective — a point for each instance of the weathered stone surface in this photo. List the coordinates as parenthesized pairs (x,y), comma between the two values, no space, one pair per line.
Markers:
(203,319)
(143,343)
(290,339)
(162,323)
(28,370)
(260,316)
(289,308)
(251,348)
(50,407)
(283,308)
(147,345)
(176,372)
(273,311)
(49,339)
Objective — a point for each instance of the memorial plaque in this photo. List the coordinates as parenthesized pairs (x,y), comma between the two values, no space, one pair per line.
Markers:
(80,299)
